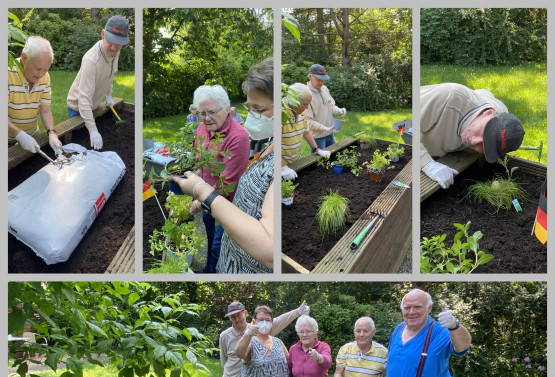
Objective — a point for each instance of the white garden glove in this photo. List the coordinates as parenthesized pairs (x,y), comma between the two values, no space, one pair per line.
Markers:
(27,142)
(446,318)
(343,112)
(314,355)
(288,173)
(440,173)
(55,143)
(304,309)
(96,139)
(109,101)
(332,129)
(252,329)
(322,153)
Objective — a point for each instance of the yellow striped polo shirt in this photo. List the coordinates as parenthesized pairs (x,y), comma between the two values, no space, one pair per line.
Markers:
(24,103)
(357,364)
(292,138)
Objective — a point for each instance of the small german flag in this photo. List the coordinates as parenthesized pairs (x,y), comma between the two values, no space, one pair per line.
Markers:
(541,216)
(147,190)
(401,130)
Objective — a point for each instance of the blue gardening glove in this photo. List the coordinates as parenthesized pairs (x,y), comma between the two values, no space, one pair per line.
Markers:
(440,173)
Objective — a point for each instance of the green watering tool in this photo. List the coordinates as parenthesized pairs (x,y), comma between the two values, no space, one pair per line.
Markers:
(364,232)
(531,148)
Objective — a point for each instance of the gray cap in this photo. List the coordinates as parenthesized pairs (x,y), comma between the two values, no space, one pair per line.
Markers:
(234,307)
(318,71)
(117,30)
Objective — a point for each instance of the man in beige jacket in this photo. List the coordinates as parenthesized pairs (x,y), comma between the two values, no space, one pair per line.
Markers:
(453,116)
(95,78)
(320,112)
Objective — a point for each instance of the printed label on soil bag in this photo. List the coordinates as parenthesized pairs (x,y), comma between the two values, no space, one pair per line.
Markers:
(99,203)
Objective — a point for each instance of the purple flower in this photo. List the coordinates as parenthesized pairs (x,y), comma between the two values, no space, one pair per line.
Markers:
(514,360)
(70,53)
(541,367)
(75,47)
(528,366)
(544,37)
(526,359)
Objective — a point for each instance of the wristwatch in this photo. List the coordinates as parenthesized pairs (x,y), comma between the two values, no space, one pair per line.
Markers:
(456,327)
(208,201)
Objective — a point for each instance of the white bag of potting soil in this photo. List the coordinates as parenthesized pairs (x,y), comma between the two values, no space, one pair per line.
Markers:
(52,210)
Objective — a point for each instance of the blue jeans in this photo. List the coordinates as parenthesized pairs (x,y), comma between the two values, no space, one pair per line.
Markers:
(71,113)
(214,234)
(323,142)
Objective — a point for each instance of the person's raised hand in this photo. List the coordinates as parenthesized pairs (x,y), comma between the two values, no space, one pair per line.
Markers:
(446,318)
(440,173)
(252,329)
(304,309)
(314,355)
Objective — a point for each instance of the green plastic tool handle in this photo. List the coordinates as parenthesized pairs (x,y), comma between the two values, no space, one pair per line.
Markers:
(362,234)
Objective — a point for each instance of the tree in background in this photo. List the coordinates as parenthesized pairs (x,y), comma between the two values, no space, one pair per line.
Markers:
(16,37)
(367,53)
(73,31)
(186,48)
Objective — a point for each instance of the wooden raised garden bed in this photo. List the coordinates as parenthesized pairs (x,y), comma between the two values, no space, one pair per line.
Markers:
(507,234)
(383,248)
(109,244)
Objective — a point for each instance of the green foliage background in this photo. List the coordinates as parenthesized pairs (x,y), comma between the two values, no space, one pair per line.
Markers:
(379,71)
(186,48)
(479,36)
(72,32)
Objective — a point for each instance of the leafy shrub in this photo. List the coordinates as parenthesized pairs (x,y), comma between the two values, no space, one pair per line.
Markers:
(483,35)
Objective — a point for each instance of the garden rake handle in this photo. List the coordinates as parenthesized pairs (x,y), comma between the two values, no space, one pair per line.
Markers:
(114,111)
(38,150)
(363,234)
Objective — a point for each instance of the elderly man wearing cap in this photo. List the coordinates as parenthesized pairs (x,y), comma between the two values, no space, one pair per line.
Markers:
(96,76)
(453,117)
(320,112)
(229,338)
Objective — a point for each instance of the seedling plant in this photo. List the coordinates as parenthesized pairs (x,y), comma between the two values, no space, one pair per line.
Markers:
(367,141)
(287,188)
(378,163)
(393,151)
(347,157)
(179,207)
(436,258)
(333,210)
(499,192)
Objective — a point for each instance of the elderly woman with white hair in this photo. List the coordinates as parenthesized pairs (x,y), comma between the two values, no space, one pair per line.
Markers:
(248,240)
(309,357)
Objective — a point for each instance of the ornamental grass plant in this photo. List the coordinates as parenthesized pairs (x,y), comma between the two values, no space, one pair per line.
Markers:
(333,210)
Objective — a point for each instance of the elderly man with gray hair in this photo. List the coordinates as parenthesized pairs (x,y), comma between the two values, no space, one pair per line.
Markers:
(213,107)
(294,130)
(364,356)
(29,95)
(419,347)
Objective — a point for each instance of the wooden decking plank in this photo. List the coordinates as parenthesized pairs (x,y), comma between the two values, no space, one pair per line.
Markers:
(124,261)
(17,155)
(311,159)
(288,266)
(457,160)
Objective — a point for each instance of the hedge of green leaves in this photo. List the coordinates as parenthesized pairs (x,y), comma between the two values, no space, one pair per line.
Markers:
(479,36)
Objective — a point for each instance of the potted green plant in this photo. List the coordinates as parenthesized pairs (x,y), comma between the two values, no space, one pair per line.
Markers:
(394,152)
(347,158)
(179,207)
(333,211)
(178,244)
(376,166)
(366,141)
(287,191)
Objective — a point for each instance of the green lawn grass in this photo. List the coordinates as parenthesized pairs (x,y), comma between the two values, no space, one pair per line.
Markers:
(378,124)
(523,89)
(60,81)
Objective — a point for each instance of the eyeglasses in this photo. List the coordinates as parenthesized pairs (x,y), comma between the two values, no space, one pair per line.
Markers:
(211,113)
(257,113)
(307,332)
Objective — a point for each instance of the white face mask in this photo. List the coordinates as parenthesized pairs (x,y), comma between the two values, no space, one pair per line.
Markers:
(264,327)
(259,128)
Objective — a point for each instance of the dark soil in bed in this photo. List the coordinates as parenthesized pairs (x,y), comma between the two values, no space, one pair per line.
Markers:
(153,219)
(507,234)
(301,239)
(108,231)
